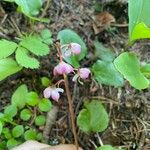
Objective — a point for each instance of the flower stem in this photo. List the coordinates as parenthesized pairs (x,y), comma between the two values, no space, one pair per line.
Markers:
(71,111)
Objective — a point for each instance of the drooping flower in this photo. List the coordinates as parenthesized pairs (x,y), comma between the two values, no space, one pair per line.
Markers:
(52,92)
(84,73)
(75,48)
(62,68)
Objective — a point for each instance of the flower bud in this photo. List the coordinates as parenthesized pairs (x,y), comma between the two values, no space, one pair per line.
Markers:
(84,73)
(62,68)
(75,48)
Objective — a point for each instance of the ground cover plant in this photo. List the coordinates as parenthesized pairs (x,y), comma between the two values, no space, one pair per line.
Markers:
(24,117)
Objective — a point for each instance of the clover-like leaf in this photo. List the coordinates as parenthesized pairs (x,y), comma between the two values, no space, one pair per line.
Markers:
(45,105)
(7,48)
(8,67)
(23,58)
(17,131)
(35,45)
(129,66)
(93,118)
(105,73)
(19,96)
(25,114)
(68,36)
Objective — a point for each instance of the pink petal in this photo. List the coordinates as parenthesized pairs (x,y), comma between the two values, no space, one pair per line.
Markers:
(75,48)
(47,92)
(84,73)
(55,95)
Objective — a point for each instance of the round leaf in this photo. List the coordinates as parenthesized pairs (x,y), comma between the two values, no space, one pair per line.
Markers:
(11,143)
(45,81)
(45,105)
(7,133)
(30,135)
(32,98)
(40,120)
(25,114)
(106,147)
(10,111)
(17,131)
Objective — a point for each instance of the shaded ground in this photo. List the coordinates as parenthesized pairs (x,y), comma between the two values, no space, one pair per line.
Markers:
(129,109)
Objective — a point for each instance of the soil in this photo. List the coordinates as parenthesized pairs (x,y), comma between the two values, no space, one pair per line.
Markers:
(128,108)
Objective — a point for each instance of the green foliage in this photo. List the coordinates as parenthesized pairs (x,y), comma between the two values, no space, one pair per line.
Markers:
(8,67)
(10,111)
(11,143)
(1,127)
(106,73)
(93,118)
(46,36)
(40,120)
(17,131)
(30,135)
(6,48)
(106,147)
(129,66)
(45,105)
(145,69)
(19,96)
(45,81)
(68,36)
(32,98)
(25,114)
(139,22)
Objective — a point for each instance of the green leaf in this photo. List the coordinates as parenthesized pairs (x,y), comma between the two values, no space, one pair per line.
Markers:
(39,136)
(24,60)
(7,133)
(3,145)
(129,66)
(30,7)
(45,81)
(19,96)
(8,67)
(106,73)
(145,69)
(1,127)
(35,45)
(32,98)
(10,111)
(103,53)
(30,135)
(106,147)
(40,120)
(93,118)
(25,114)
(11,143)
(46,36)
(6,48)
(17,131)
(45,105)
(68,36)
(138,20)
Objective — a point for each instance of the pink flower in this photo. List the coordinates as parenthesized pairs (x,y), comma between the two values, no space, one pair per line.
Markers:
(62,68)
(84,73)
(51,92)
(75,48)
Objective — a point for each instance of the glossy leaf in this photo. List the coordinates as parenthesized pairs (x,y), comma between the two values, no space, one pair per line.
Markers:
(139,23)
(8,67)
(25,114)
(17,131)
(129,66)
(7,48)
(105,73)
(32,98)
(23,58)
(103,53)
(45,105)
(68,36)
(19,96)
(93,118)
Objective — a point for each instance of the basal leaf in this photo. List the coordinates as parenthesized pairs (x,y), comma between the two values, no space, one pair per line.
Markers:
(19,96)
(105,73)
(129,66)
(68,36)
(8,67)
(17,131)
(45,105)
(93,118)
(35,45)
(40,120)
(25,114)
(138,20)
(103,53)
(30,135)
(6,48)
(145,69)
(25,60)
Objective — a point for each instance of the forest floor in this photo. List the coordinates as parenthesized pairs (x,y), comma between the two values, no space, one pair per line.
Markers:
(129,109)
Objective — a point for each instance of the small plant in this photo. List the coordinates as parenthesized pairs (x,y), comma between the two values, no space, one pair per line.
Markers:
(22,119)
(24,50)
